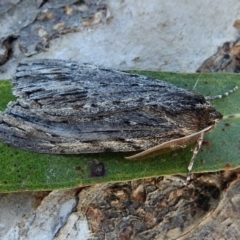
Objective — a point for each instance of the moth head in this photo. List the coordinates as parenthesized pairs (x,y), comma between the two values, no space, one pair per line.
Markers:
(207,115)
(213,115)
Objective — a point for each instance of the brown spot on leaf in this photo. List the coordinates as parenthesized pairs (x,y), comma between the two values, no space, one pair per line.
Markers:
(79,168)
(97,169)
(227,166)
(206,143)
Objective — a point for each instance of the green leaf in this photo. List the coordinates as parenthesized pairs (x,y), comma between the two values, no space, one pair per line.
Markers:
(22,170)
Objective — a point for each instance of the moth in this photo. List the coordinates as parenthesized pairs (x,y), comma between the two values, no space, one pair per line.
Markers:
(64,107)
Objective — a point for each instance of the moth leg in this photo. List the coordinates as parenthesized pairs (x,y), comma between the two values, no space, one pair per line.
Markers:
(195,152)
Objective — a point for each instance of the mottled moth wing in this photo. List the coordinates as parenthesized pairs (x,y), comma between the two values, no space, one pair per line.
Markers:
(64,107)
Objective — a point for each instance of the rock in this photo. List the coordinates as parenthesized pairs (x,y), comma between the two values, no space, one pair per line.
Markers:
(35,215)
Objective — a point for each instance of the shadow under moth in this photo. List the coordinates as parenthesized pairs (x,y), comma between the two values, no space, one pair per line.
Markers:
(63,107)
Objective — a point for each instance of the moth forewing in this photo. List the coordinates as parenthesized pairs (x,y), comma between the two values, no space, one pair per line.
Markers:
(170,145)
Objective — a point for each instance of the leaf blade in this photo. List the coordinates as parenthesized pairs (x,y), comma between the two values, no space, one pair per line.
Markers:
(21,170)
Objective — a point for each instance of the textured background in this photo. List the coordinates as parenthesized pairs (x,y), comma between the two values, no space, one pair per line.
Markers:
(161,35)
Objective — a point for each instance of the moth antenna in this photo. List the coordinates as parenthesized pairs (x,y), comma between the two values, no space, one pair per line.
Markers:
(236,115)
(195,152)
(197,81)
(209,98)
